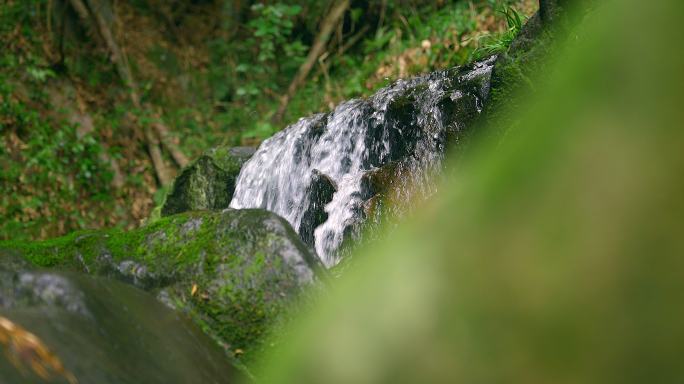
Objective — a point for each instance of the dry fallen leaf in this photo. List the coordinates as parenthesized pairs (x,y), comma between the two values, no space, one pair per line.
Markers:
(23,348)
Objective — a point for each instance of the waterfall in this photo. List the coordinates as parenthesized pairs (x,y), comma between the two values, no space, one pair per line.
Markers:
(408,122)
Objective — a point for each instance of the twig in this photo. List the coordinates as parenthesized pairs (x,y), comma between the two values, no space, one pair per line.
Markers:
(353,40)
(316,50)
(341,51)
(120,61)
(163,132)
(157,158)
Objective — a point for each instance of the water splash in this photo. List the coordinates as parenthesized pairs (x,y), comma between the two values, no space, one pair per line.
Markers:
(410,122)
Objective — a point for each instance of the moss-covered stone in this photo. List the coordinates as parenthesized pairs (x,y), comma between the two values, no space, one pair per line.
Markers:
(381,180)
(208,182)
(234,272)
(519,70)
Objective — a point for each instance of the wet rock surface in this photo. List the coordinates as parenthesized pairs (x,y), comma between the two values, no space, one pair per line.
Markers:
(411,121)
(320,193)
(69,327)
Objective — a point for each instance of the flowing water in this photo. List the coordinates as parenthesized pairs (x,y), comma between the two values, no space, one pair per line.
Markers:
(409,121)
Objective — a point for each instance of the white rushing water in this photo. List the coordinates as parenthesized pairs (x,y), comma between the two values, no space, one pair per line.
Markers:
(358,136)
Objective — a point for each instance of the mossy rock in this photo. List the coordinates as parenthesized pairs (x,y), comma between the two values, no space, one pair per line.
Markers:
(208,182)
(383,179)
(234,272)
(521,69)
(387,186)
(94,330)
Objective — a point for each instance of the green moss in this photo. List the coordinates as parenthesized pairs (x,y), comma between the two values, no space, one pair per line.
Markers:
(517,70)
(225,270)
(225,160)
(207,183)
(149,243)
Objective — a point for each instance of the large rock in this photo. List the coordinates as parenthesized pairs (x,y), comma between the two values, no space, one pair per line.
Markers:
(68,328)
(233,272)
(208,182)
(320,192)
(523,67)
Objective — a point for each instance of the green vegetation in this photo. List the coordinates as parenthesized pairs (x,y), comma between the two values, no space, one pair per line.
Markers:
(52,177)
(551,252)
(231,272)
(499,43)
(77,109)
(206,183)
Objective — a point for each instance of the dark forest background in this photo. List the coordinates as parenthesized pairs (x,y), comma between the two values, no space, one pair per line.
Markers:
(103,101)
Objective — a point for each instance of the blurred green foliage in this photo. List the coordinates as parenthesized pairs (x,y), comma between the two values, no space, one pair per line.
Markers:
(553,255)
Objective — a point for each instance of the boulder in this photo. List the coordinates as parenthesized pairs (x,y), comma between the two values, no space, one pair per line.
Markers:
(320,192)
(523,67)
(389,190)
(233,272)
(381,180)
(208,183)
(461,108)
(62,327)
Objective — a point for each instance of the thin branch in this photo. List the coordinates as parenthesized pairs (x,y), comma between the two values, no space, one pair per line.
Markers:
(318,47)
(177,155)
(353,40)
(120,61)
(157,158)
